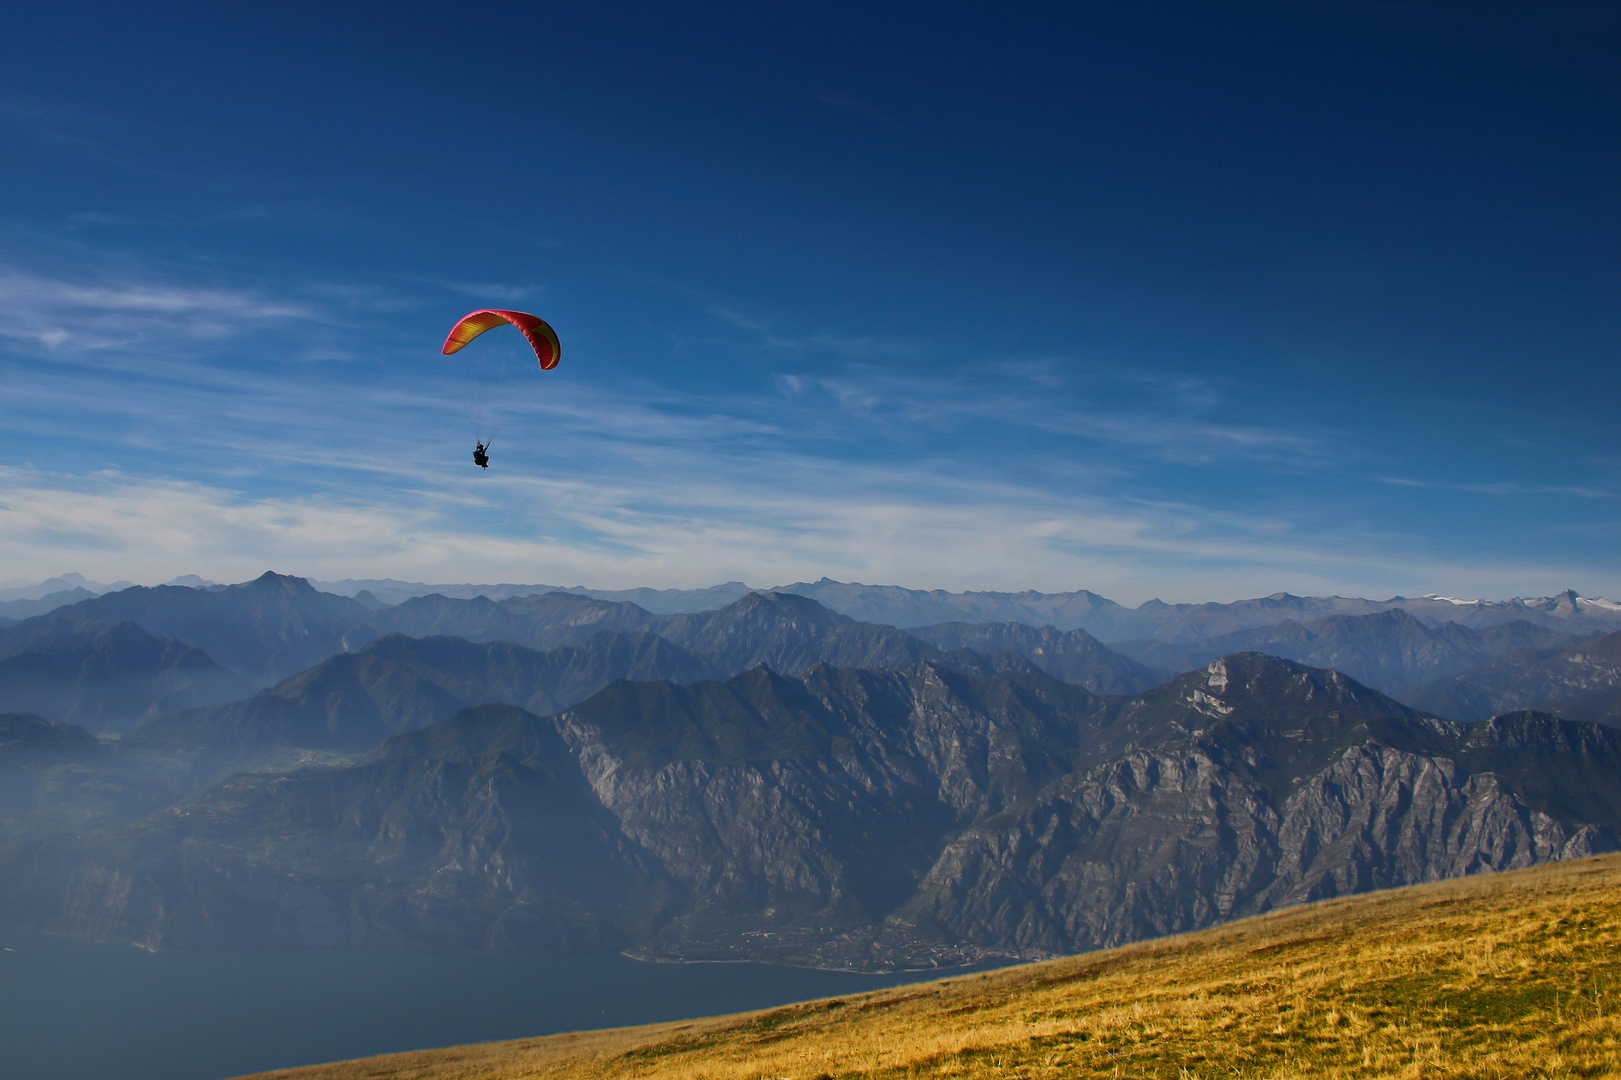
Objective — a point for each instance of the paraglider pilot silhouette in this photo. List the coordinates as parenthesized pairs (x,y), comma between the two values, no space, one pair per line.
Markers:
(542,338)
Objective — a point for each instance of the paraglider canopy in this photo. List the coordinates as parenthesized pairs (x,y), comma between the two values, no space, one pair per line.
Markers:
(541,337)
(498,376)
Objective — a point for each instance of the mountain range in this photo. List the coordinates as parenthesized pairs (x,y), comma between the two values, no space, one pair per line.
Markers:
(1073,655)
(1391,650)
(1079,610)
(770,779)
(274,626)
(846,817)
(16,610)
(891,605)
(68,665)
(109,676)
(353,701)
(1580,682)
(263,629)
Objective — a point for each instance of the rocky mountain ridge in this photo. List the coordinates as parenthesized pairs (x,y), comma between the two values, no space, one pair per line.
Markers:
(264,629)
(274,622)
(353,701)
(110,676)
(1073,655)
(1567,612)
(1580,681)
(1391,650)
(851,818)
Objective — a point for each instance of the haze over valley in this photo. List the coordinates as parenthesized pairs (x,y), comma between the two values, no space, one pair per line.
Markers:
(269,765)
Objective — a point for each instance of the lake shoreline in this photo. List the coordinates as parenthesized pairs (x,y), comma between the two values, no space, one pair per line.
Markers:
(70,1007)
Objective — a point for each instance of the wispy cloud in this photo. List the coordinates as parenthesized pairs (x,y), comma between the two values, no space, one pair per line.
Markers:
(693,532)
(506,294)
(1153,416)
(79,315)
(635,481)
(1504,487)
(229,428)
(764,334)
(1162,425)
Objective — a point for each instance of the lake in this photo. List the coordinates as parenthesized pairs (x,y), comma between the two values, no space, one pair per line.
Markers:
(73,1009)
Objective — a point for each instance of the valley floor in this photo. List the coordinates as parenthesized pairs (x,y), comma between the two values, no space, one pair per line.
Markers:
(1498,976)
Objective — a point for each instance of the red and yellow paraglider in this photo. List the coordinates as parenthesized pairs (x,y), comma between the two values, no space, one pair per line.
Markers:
(498,380)
(541,336)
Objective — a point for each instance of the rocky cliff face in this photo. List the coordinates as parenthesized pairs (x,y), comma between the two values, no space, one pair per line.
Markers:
(1175,839)
(857,818)
(781,803)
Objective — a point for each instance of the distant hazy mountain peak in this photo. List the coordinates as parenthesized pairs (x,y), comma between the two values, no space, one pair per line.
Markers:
(192,581)
(61,584)
(1569,600)
(786,601)
(284,582)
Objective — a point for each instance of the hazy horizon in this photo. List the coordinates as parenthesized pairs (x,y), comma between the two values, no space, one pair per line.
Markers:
(319,582)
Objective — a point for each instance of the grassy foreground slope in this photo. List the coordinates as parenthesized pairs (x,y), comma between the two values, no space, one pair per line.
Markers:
(1508,975)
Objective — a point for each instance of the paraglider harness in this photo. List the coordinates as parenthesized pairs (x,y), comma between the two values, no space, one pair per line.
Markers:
(480,458)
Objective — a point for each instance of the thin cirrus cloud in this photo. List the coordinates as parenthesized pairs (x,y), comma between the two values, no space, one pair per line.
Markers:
(658,485)
(57,313)
(506,294)
(1505,488)
(1169,424)
(225,430)
(677,533)
(1168,418)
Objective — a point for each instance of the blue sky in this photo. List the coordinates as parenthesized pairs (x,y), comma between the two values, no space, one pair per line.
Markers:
(1197,301)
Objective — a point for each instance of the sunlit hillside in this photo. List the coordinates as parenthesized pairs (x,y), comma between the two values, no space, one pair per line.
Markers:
(1511,975)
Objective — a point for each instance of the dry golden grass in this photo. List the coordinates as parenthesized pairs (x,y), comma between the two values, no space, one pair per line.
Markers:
(1507,976)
